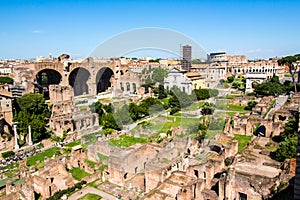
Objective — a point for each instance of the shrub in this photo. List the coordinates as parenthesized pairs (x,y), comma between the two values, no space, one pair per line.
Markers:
(250,105)
(107,131)
(60,193)
(5,79)
(213,92)
(230,79)
(8,154)
(174,110)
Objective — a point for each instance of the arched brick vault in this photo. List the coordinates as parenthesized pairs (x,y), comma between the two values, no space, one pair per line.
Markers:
(78,79)
(44,78)
(110,72)
(103,79)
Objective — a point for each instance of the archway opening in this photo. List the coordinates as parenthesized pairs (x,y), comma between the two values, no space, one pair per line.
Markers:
(44,78)
(103,79)
(78,80)
(260,131)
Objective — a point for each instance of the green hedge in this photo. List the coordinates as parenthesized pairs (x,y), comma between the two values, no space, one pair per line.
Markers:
(5,79)
(59,194)
(8,154)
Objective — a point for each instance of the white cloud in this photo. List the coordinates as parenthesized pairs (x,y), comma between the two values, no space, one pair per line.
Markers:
(36,31)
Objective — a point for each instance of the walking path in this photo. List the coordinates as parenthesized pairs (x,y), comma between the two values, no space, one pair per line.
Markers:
(91,190)
(280,101)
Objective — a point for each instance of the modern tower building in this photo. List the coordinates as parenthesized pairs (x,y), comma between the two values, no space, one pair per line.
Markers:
(186,57)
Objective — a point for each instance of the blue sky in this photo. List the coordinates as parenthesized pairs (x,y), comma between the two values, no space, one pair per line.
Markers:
(258,29)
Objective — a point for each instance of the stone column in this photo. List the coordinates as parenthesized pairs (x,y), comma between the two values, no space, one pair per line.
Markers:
(16,135)
(29,136)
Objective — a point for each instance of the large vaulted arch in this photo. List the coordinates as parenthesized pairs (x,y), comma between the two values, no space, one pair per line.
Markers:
(44,78)
(78,80)
(103,79)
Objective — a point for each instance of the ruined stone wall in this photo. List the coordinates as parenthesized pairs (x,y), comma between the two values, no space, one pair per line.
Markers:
(59,93)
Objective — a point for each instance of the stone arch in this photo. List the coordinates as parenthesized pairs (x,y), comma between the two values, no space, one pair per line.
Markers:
(5,128)
(78,80)
(44,78)
(260,131)
(216,148)
(103,79)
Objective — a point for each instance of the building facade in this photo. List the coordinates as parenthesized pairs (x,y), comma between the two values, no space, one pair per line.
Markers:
(177,78)
(186,57)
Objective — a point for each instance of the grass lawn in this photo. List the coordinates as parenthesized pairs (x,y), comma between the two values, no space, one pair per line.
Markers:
(78,173)
(232,96)
(192,107)
(165,101)
(95,183)
(201,103)
(31,161)
(90,197)
(11,166)
(102,168)
(74,143)
(243,140)
(162,124)
(271,148)
(90,138)
(211,133)
(91,163)
(102,157)
(232,113)
(126,141)
(235,107)
(11,173)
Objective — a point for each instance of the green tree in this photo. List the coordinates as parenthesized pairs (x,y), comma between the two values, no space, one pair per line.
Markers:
(109,121)
(202,94)
(33,104)
(162,92)
(158,75)
(288,141)
(271,87)
(286,149)
(207,109)
(180,98)
(38,128)
(230,79)
(250,105)
(213,92)
(5,79)
(292,63)
(134,111)
(122,115)
(31,109)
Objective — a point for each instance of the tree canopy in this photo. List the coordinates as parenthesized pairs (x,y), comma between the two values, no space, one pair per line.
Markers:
(288,141)
(158,75)
(293,65)
(271,87)
(289,59)
(5,79)
(31,109)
